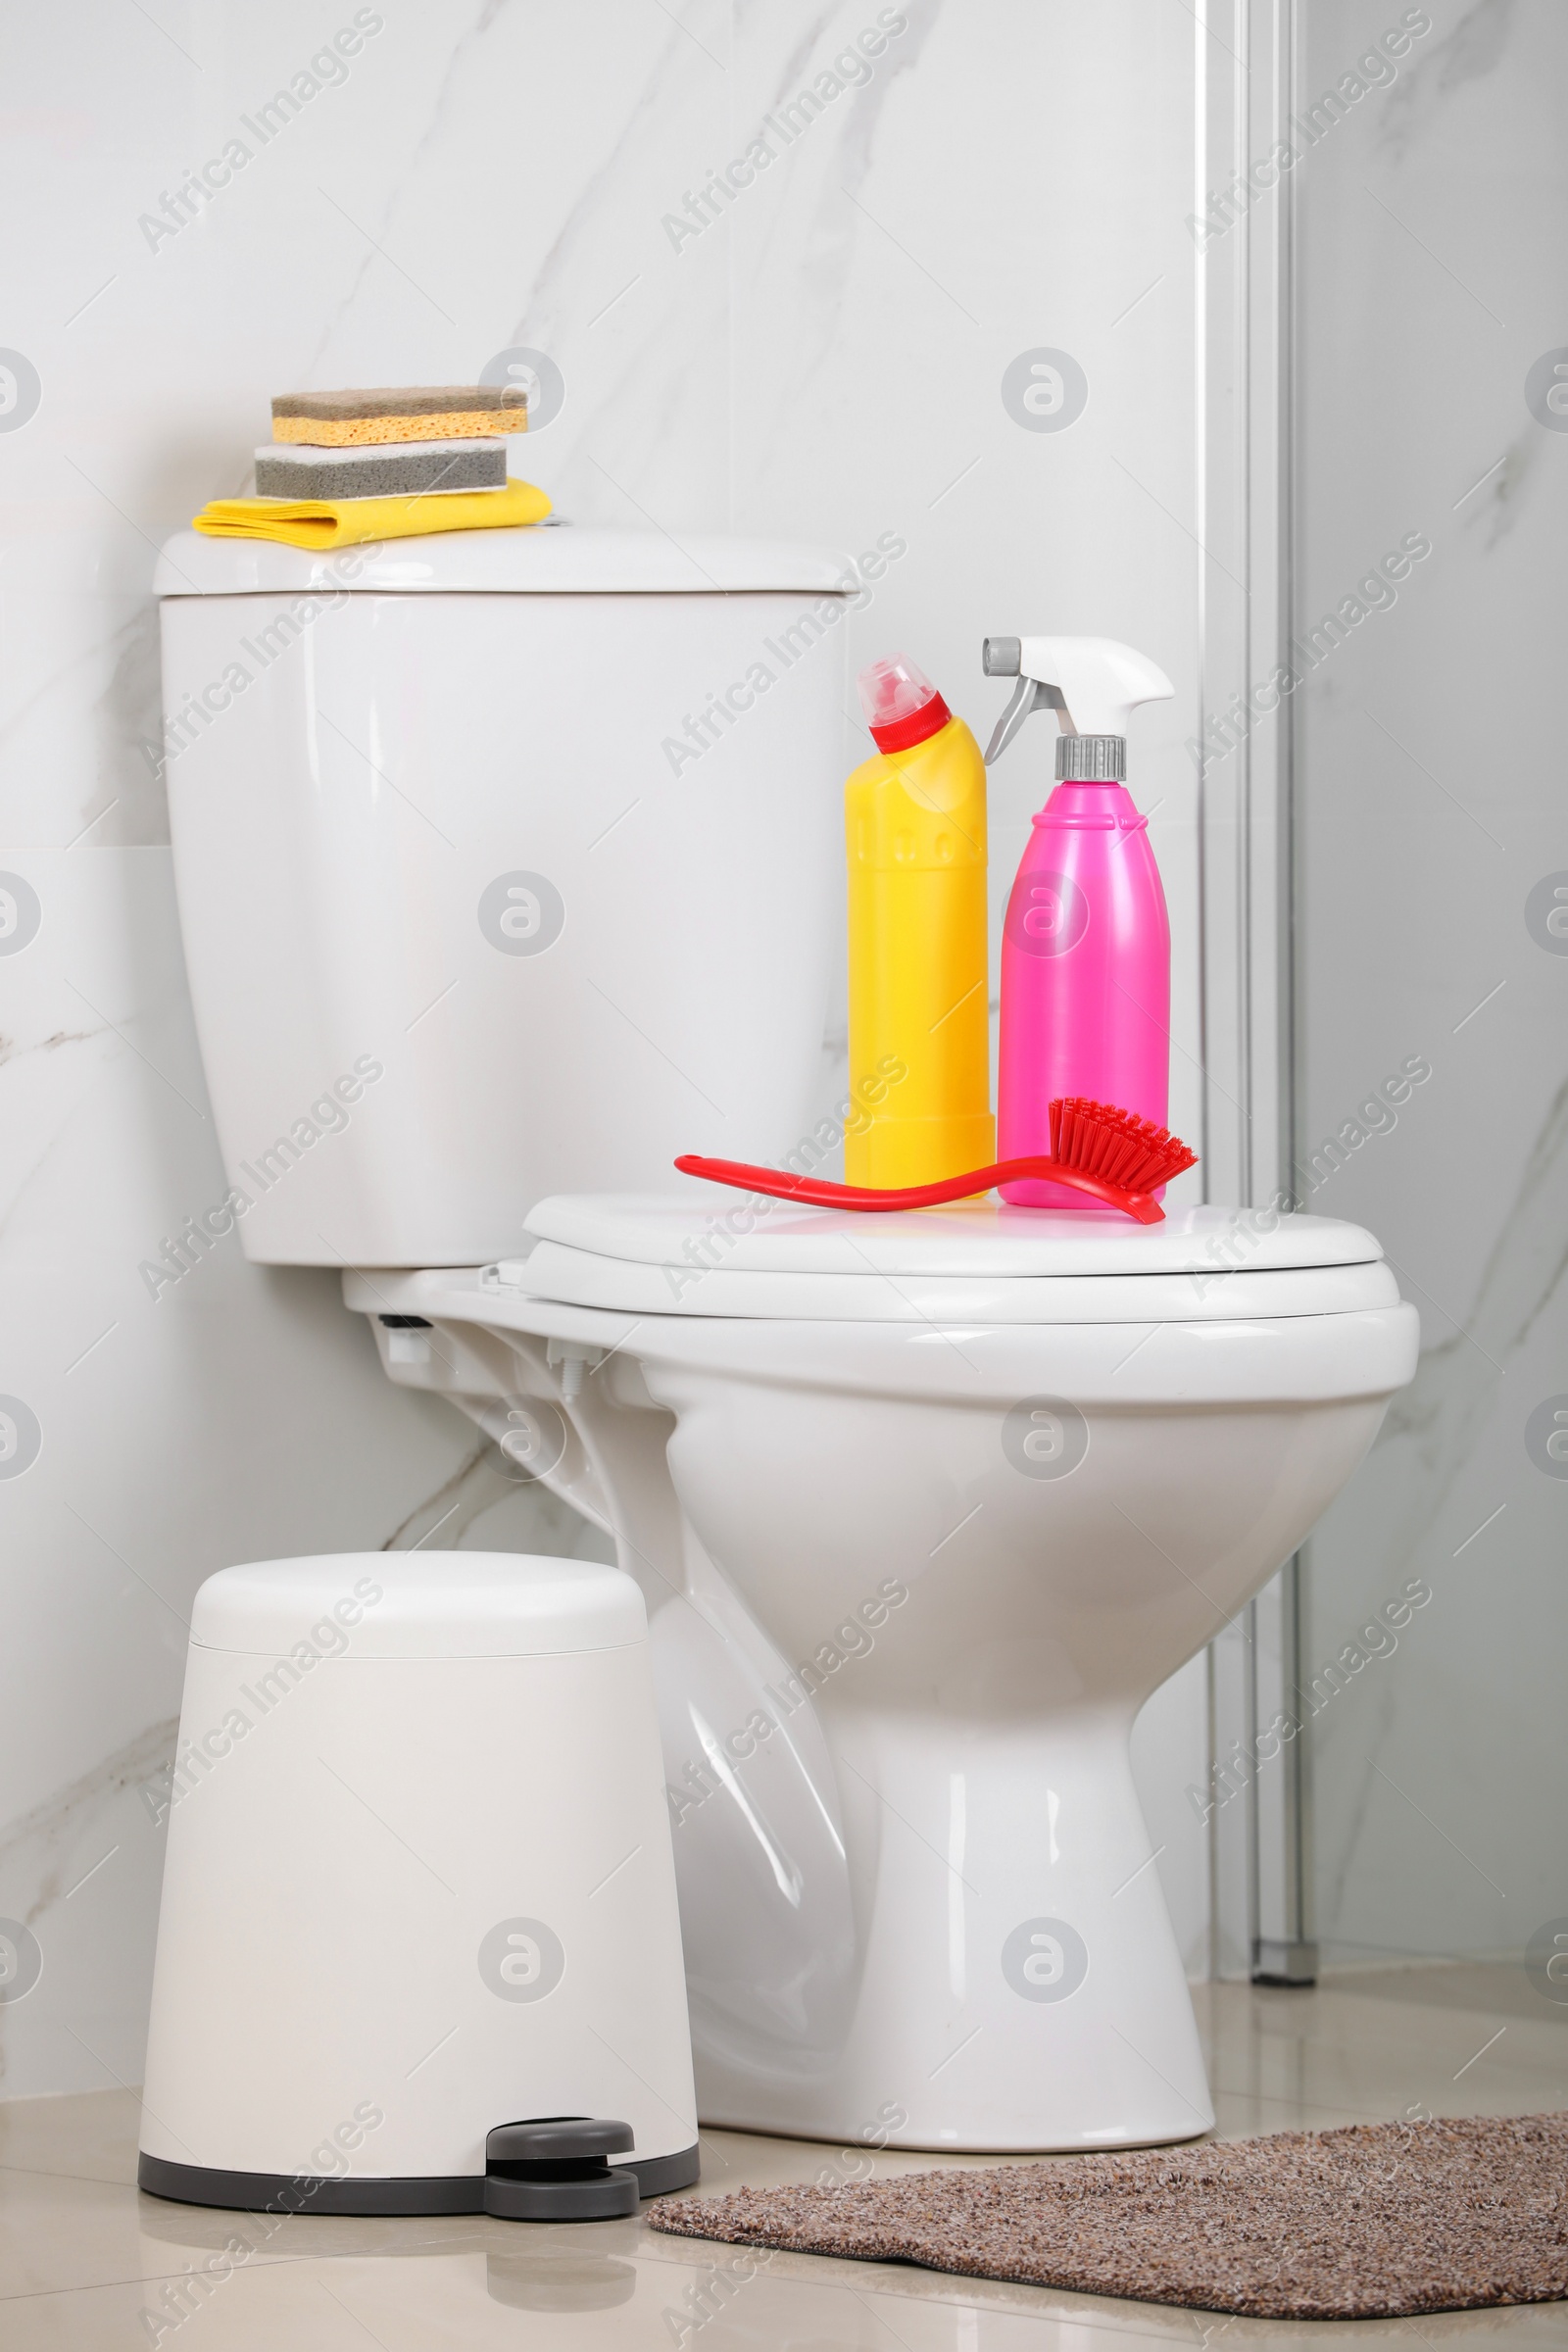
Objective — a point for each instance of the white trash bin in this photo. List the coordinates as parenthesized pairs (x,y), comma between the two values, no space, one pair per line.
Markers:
(418,1897)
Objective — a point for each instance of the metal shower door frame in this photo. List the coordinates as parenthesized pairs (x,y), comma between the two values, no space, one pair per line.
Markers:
(1244,228)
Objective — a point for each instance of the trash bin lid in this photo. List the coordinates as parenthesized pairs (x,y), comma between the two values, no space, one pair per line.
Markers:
(425,1604)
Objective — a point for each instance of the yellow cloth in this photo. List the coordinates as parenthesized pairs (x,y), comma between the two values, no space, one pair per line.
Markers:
(317,522)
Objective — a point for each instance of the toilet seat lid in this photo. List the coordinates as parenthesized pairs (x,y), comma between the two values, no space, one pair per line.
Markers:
(712,1251)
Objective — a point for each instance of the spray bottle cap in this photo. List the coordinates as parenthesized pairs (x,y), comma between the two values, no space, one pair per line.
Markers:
(902,707)
(1094,684)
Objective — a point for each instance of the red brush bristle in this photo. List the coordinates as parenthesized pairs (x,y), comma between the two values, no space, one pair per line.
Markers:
(1116,1145)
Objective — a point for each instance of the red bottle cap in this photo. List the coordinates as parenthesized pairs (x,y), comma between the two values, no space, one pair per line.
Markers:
(902,707)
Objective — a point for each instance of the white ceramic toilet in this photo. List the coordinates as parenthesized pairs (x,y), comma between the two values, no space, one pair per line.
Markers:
(923,1509)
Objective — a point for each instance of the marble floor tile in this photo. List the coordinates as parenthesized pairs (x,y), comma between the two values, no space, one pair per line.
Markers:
(88,2263)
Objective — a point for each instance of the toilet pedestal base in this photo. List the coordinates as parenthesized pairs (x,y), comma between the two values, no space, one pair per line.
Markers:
(1020,1987)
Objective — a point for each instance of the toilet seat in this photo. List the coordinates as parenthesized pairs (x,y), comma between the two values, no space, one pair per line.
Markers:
(717,1253)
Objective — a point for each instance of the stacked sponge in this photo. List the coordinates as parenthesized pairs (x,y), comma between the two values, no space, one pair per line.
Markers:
(346,467)
(427,441)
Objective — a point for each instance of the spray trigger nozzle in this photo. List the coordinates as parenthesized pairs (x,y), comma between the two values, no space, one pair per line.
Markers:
(1030,694)
(1101,680)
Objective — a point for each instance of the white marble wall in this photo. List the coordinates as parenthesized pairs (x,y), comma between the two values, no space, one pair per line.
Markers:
(1431,809)
(824,361)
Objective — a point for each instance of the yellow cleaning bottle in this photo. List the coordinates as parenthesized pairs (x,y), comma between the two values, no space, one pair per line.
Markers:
(915,836)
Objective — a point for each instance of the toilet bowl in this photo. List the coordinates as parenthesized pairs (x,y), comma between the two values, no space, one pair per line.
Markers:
(980,1480)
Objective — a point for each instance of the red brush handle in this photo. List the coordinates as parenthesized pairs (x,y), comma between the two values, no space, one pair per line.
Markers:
(817,1192)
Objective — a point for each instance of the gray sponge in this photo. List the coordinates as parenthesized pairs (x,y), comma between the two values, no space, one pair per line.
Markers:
(395,469)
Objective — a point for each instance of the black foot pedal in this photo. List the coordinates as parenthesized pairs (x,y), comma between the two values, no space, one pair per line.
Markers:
(555,2170)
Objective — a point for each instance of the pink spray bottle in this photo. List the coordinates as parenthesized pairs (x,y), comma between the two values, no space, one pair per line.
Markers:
(1085,944)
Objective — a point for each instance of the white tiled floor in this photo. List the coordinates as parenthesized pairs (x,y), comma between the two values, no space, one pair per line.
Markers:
(83,2256)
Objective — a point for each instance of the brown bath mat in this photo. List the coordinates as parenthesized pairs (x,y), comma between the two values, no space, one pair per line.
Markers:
(1372,2221)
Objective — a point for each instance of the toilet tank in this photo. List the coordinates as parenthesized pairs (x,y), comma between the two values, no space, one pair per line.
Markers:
(508,863)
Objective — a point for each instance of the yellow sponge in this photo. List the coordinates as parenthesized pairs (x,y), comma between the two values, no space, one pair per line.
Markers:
(417,413)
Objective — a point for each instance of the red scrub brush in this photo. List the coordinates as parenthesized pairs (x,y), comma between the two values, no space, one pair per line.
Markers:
(1112,1155)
